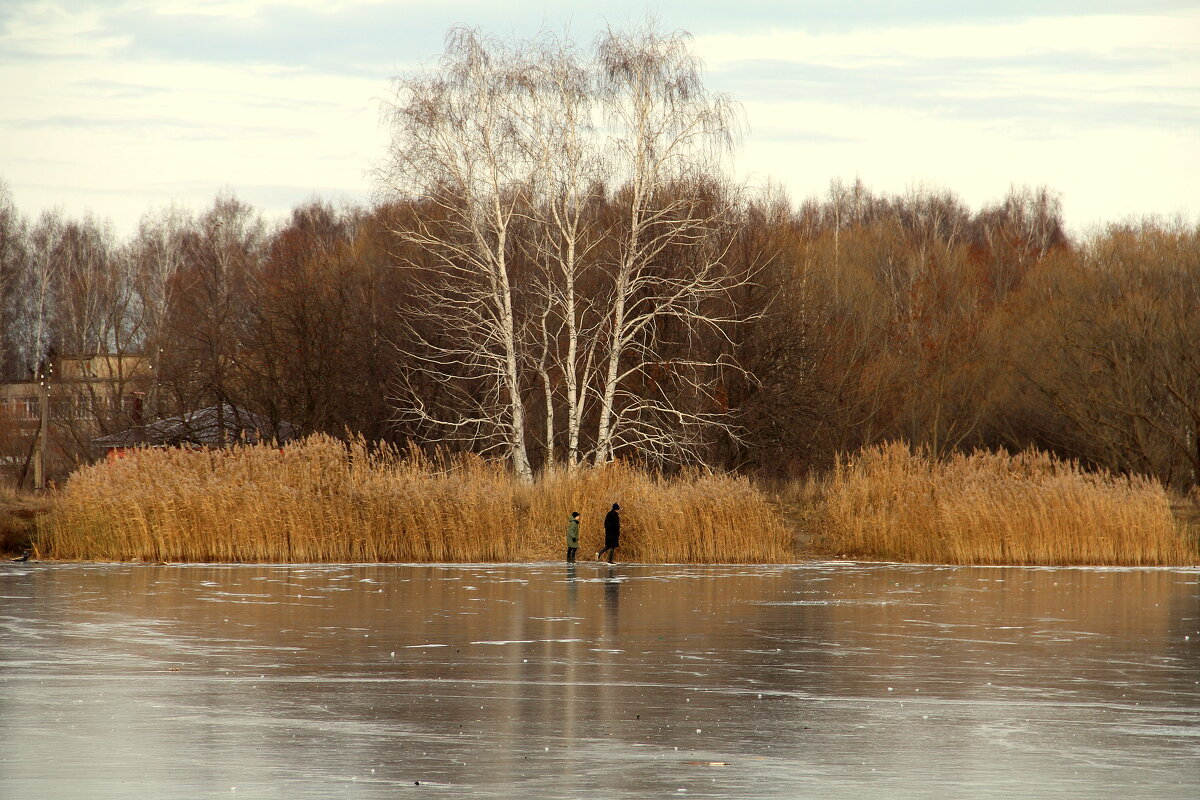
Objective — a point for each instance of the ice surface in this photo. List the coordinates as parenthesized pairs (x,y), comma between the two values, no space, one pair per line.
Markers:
(833,680)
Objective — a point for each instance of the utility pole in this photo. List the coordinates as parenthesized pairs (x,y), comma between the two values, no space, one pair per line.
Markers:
(45,369)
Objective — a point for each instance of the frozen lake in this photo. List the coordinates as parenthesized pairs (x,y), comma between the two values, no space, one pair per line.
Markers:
(536,681)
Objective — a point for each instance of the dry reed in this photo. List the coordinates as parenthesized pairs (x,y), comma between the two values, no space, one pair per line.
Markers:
(891,503)
(322,500)
(18,513)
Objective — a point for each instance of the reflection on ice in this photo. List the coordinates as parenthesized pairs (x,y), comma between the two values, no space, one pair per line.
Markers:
(834,679)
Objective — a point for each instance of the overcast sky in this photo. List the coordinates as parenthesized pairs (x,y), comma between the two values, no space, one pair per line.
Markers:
(119,108)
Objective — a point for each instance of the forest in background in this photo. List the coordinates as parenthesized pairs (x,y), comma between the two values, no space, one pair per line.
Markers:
(870,318)
(574,305)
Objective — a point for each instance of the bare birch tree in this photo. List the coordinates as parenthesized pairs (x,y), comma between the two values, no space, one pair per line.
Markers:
(568,233)
(36,293)
(668,138)
(98,319)
(456,147)
(13,265)
(560,120)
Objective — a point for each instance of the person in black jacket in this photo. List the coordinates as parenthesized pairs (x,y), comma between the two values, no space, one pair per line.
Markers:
(572,536)
(612,533)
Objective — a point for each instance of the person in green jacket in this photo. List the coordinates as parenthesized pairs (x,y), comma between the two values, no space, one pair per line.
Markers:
(572,536)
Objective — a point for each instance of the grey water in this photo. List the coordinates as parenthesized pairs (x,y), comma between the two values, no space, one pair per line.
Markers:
(831,680)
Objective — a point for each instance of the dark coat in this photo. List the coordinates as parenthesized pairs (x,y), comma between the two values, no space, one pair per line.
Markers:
(612,529)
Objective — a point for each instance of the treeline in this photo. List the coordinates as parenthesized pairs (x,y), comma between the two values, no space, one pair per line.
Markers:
(294,322)
(868,318)
(917,320)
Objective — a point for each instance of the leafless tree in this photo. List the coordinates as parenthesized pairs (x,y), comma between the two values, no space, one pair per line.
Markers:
(559,117)
(206,326)
(668,139)
(158,253)
(1017,232)
(36,292)
(13,265)
(99,318)
(456,145)
(571,233)
(1122,366)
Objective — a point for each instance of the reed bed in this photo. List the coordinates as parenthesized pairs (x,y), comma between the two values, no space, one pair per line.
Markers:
(18,513)
(323,500)
(893,503)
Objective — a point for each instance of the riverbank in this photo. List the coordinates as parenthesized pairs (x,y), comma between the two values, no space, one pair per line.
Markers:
(19,512)
(894,503)
(321,501)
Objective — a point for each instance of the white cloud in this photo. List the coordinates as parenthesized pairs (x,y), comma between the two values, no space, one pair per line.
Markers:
(1100,108)
(973,107)
(46,29)
(1103,174)
(1104,35)
(246,9)
(121,137)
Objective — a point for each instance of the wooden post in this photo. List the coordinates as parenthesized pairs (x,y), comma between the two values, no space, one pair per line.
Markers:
(40,455)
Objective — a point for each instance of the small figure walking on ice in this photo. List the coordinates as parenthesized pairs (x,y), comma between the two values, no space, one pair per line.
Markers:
(572,537)
(612,533)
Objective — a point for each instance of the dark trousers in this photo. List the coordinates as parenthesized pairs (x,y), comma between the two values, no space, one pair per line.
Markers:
(571,554)
(612,551)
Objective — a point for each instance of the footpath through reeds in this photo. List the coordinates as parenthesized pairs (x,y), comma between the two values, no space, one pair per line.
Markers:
(892,503)
(322,500)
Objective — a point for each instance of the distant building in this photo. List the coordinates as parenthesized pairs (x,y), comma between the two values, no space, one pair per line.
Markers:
(216,426)
(88,394)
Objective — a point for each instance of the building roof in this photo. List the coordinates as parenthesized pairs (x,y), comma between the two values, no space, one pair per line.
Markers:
(201,427)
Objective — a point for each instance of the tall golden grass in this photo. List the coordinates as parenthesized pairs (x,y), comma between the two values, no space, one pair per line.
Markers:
(18,512)
(322,500)
(893,503)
